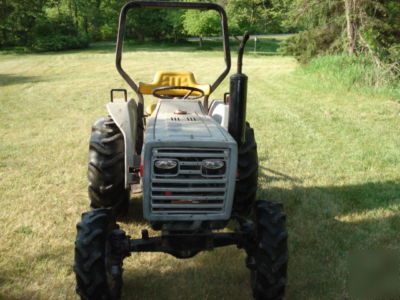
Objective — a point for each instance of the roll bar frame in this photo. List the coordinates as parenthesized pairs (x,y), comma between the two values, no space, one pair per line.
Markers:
(171,5)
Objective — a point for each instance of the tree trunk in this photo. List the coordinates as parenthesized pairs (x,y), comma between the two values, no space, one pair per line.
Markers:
(140,36)
(201,41)
(76,15)
(5,39)
(58,9)
(351,26)
(86,24)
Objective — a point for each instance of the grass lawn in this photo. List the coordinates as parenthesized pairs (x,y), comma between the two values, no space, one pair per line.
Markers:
(330,154)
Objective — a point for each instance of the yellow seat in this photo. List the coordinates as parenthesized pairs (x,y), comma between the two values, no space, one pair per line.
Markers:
(170,78)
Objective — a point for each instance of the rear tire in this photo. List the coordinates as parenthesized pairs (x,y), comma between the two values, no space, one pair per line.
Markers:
(267,261)
(246,185)
(106,171)
(98,271)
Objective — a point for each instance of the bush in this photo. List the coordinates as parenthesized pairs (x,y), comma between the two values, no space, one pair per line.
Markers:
(58,33)
(60,42)
(108,32)
(310,43)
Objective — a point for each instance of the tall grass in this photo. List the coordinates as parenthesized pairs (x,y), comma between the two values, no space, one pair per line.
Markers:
(357,73)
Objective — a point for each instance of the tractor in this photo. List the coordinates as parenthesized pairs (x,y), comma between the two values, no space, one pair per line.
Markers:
(196,164)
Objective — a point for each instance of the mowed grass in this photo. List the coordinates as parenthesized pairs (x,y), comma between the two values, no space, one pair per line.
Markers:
(329,154)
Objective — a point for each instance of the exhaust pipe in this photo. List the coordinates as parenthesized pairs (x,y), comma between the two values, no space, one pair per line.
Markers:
(238,99)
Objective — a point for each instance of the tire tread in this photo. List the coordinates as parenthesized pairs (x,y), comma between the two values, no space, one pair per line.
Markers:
(271,255)
(90,252)
(246,185)
(106,167)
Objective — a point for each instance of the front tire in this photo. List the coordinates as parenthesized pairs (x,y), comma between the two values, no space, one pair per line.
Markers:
(268,259)
(106,170)
(98,273)
(246,185)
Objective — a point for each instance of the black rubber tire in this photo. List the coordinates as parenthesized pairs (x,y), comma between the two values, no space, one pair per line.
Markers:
(268,260)
(246,185)
(92,257)
(106,170)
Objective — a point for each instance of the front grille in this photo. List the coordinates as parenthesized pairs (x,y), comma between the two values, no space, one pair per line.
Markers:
(188,191)
(178,119)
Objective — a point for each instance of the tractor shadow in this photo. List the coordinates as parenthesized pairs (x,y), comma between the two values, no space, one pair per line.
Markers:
(220,274)
(327,226)
(135,211)
(330,225)
(11,79)
(271,175)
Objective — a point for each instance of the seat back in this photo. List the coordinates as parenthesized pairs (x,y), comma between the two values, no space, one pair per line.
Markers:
(171,78)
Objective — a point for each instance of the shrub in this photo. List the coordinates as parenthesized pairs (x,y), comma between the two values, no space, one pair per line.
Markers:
(310,43)
(57,33)
(59,42)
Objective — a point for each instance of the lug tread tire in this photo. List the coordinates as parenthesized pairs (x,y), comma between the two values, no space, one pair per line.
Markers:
(106,168)
(246,185)
(90,257)
(271,255)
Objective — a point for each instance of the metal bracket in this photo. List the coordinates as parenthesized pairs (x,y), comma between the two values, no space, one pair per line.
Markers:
(186,245)
(118,90)
(226,98)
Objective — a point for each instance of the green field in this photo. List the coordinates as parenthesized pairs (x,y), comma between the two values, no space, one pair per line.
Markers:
(330,154)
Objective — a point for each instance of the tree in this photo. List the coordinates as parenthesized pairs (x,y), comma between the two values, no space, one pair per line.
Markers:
(258,16)
(201,23)
(175,20)
(350,8)
(246,15)
(17,20)
(367,28)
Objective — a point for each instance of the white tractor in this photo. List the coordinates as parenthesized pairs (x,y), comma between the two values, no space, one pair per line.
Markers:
(197,166)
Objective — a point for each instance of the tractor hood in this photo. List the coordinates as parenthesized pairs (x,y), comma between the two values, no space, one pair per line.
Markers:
(180,131)
(183,120)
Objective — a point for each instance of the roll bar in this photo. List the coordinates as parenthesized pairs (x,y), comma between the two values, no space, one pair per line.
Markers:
(176,5)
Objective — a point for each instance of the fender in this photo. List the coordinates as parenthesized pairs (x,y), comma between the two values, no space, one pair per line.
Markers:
(219,111)
(124,115)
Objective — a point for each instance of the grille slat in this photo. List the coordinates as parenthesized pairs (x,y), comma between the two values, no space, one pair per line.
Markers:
(201,155)
(185,180)
(173,211)
(189,191)
(190,163)
(188,198)
(192,206)
(188,172)
(193,189)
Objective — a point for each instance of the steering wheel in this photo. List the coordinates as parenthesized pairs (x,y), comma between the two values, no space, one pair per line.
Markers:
(186,96)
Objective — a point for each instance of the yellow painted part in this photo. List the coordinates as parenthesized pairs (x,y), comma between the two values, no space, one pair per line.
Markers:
(171,78)
(150,108)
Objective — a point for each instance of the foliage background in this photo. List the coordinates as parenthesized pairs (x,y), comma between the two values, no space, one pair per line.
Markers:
(66,24)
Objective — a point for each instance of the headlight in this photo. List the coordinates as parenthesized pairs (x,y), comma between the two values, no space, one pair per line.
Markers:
(213,164)
(166,167)
(213,167)
(165,164)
